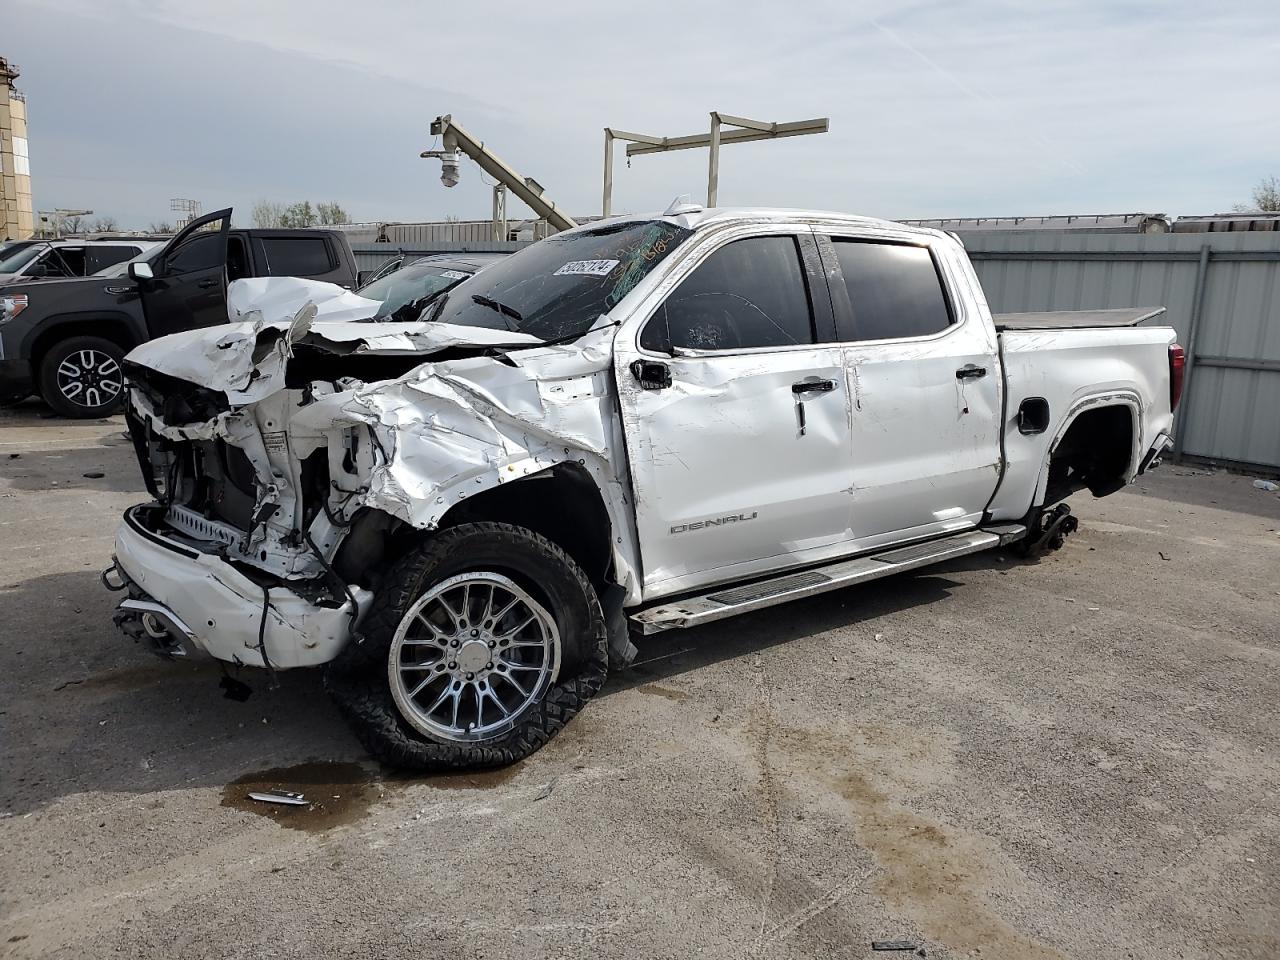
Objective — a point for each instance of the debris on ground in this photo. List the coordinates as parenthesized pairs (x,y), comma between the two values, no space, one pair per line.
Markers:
(1267,485)
(895,945)
(94,475)
(546,790)
(281,796)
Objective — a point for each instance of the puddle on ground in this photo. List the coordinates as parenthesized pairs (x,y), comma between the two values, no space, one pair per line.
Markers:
(341,792)
(654,690)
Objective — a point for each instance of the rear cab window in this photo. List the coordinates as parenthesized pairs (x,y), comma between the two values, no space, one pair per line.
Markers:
(895,290)
(296,256)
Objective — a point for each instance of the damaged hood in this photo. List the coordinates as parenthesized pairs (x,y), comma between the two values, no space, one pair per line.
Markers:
(270,316)
(444,429)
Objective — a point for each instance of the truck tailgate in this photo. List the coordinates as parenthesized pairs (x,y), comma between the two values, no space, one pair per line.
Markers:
(1075,319)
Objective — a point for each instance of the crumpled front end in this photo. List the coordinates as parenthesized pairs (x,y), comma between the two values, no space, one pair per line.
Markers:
(290,453)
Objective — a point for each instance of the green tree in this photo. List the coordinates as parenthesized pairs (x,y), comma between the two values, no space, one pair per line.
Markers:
(331,213)
(300,214)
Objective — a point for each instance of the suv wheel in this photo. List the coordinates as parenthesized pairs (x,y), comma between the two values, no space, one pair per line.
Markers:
(83,377)
(479,646)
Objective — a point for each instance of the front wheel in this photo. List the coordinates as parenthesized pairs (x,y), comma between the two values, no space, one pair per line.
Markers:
(82,377)
(480,645)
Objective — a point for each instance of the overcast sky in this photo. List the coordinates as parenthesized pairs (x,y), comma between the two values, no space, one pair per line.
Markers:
(990,107)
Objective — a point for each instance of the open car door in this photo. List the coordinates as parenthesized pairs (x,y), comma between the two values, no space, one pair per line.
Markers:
(188,287)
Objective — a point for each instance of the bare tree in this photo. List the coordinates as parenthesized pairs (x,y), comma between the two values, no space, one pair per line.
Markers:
(105,225)
(1266,197)
(331,214)
(74,224)
(268,214)
(160,226)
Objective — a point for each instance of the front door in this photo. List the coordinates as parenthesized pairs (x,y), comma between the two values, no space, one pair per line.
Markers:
(188,289)
(737,419)
(926,391)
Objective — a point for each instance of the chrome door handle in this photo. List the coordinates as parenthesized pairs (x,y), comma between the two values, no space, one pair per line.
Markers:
(813,386)
(971,371)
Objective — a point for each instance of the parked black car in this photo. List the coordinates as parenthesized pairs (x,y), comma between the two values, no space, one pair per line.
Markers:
(64,339)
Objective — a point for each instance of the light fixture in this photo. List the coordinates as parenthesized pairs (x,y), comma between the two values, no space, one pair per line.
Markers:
(449,168)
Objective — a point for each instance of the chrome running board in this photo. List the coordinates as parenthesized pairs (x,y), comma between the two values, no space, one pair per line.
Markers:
(722,602)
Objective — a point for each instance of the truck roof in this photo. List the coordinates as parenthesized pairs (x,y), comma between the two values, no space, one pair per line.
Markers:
(696,217)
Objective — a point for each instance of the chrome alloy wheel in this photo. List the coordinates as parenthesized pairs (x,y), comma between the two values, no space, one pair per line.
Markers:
(90,378)
(471,656)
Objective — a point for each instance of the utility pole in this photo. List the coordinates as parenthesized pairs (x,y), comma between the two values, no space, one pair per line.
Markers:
(745,130)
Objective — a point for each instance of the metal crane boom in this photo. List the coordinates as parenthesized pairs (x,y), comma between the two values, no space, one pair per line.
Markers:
(456,137)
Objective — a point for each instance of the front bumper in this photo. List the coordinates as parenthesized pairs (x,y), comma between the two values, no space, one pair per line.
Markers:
(219,608)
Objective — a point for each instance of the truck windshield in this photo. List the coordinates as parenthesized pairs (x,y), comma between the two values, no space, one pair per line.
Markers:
(558,288)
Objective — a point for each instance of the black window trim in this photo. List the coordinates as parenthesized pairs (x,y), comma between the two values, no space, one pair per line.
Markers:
(810,262)
(845,318)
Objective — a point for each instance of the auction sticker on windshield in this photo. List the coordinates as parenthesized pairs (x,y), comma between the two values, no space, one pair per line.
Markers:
(454,274)
(586,268)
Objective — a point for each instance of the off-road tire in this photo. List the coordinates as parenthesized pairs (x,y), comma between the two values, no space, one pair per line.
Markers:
(358,680)
(51,391)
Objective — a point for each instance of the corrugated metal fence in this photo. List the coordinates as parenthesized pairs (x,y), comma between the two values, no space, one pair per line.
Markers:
(1223,295)
(1222,291)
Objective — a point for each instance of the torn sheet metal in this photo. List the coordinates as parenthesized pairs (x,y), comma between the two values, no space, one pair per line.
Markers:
(246,359)
(442,431)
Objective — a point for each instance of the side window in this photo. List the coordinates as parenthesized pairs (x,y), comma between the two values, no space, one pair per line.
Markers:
(65,262)
(204,251)
(101,257)
(296,256)
(894,289)
(751,293)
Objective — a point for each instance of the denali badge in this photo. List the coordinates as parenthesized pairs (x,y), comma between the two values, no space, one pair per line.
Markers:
(713,522)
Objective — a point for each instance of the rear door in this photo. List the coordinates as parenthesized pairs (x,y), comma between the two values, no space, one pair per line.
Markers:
(925,379)
(735,409)
(189,286)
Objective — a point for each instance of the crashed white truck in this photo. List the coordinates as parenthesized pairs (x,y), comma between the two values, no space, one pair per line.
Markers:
(639,424)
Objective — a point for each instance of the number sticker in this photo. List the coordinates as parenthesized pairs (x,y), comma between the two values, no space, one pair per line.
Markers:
(586,268)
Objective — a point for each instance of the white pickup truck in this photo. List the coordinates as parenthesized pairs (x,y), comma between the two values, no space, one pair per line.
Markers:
(639,424)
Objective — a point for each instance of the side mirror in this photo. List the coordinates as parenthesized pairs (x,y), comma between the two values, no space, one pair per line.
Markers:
(141,270)
(37,270)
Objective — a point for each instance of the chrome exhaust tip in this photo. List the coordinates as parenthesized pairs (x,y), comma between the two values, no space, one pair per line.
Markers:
(157,626)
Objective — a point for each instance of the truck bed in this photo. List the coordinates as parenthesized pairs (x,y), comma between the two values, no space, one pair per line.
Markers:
(1075,319)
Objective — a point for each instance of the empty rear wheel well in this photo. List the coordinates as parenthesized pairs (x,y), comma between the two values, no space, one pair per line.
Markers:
(1095,453)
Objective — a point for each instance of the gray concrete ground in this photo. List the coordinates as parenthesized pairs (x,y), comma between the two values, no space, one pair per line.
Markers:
(1075,758)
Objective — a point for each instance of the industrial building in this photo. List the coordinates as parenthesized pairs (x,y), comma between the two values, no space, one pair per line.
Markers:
(17,218)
